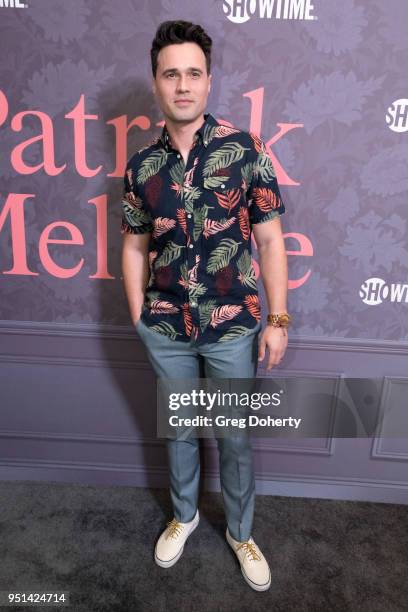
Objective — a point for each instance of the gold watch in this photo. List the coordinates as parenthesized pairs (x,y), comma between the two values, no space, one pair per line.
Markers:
(282,319)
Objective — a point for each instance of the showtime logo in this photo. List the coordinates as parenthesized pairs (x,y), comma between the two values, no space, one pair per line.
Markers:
(397,115)
(12,4)
(240,11)
(375,290)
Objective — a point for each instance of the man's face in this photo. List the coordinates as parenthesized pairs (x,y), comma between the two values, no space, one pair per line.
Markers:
(182,85)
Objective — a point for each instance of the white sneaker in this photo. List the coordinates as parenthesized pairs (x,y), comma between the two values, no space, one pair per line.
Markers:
(170,545)
(254,566)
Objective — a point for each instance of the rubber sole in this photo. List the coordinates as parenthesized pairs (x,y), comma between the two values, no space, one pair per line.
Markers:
(174,560)
(253,585)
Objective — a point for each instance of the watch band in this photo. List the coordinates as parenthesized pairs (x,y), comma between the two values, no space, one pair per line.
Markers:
(282,319)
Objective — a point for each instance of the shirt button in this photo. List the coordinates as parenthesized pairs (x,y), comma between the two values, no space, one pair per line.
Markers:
(191,246)
(222,186)
(205,142)
(189,215)
(178,155)
(194,304)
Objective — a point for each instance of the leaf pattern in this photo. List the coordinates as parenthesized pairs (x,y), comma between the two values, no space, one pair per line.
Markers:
(211,182)
(162,307)
(177,173)
(131,199)
(177,188)
(183,280)
(166,329)
(209,132)
(170,253)
(162,225)
(181,218)
(246,274)
(188,177)
(243,220)
(253,305)
(187,318)
(134,216)
(224,130)
(229,198)
(235,331)
(192,275)
(213,227)
(247,172)
(150,297)
(191,194)
(205,310)
(200,214)
(151,166)
(264,168)
(224,313)
(196,288)
(265,198)
(222,254)
(224,156)
(257,142)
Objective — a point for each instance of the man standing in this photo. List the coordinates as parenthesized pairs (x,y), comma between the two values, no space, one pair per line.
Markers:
(191,201)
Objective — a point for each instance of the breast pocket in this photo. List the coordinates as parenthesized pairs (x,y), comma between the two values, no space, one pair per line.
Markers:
(225,193)
(227,215)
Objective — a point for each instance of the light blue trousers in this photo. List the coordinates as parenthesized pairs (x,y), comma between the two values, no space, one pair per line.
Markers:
(232,359)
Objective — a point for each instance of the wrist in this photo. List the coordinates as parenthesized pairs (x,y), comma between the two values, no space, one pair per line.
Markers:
(137,316)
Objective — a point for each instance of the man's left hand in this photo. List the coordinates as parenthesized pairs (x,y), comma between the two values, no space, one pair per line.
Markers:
(276,339)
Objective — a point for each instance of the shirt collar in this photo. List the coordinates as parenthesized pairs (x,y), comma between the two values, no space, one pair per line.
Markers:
(205,134)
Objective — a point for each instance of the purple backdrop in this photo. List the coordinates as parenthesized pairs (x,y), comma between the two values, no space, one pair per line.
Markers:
(326,88)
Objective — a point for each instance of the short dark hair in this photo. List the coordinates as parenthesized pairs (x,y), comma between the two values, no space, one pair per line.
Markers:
(177,32)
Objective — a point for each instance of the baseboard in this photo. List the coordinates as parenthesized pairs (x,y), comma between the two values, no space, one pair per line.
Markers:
(157,477)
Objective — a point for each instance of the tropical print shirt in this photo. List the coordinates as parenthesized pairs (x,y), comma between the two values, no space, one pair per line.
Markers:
(202,286)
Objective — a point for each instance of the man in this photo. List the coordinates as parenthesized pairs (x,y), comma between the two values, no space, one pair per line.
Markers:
(192,198)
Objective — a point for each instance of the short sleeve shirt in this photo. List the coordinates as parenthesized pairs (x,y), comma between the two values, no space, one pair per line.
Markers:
(199,215)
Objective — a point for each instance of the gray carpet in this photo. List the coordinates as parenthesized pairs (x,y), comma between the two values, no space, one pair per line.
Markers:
(97,543)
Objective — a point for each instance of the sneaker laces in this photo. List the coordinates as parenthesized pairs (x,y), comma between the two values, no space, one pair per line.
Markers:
(250,550)
(174,528)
